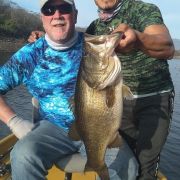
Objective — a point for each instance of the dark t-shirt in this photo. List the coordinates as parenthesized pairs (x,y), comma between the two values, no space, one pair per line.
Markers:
(142,73)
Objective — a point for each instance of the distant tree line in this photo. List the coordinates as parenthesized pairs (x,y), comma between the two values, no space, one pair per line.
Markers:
(17,22)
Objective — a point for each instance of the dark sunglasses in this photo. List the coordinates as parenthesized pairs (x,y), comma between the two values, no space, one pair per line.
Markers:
(49,10)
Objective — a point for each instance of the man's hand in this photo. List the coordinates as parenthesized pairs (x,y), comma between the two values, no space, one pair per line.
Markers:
(35,35)
(128,41)
(154,41)
(19,126)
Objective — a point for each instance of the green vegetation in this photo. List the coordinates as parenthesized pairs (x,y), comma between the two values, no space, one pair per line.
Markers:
(17,22)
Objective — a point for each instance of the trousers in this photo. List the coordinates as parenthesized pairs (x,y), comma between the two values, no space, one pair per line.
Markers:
(34,154)
(145,126)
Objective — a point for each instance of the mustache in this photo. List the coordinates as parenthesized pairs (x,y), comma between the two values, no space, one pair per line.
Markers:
(58,22)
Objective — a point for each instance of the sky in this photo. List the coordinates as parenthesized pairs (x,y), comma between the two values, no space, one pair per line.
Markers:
(87,11)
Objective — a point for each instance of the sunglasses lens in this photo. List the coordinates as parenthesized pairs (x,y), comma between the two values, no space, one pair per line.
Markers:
(49,10)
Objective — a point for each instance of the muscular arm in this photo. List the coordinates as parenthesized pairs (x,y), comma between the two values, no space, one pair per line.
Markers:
(6,113)
(154,41)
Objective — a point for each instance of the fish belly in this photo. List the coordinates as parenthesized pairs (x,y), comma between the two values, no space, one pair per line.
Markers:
(96,122)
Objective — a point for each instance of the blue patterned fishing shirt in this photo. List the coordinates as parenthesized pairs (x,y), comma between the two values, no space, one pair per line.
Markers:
(49,75)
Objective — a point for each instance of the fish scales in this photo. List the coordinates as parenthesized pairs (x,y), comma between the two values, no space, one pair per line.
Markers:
(99,100)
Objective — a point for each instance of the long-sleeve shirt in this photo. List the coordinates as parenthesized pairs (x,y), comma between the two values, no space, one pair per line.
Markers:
(49,75)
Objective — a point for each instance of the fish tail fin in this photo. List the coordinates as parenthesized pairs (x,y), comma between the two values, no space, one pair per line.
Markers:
(103,173)
(110,96)
(127,94)
(87,168)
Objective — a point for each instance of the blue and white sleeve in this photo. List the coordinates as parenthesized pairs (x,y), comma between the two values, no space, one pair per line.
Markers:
(11,74)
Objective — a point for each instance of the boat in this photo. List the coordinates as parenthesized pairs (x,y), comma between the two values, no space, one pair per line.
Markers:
(61,171)
(6,145)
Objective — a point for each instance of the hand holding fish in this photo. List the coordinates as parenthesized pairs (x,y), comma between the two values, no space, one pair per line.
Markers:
(153,41)
(129,39)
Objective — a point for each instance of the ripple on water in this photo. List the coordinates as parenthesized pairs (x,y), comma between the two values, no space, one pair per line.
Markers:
(170,156)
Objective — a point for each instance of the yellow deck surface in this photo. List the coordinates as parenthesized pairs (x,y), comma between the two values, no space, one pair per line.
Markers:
(56,174)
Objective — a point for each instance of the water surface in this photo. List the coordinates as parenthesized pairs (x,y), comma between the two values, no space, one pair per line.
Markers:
(20,100)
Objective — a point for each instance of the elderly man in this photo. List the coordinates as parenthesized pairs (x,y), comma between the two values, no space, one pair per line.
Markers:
(47,67)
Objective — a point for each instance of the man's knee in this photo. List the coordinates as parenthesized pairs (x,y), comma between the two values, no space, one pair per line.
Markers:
(24,151)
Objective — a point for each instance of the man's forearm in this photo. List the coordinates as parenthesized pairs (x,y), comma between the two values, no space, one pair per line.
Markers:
(6,113)
(156,45)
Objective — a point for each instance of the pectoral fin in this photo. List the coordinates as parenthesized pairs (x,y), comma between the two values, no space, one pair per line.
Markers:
(110,96)
(127,94)
(117,142)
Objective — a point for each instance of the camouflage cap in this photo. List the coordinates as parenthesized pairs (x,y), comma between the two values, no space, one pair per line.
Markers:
(43,2)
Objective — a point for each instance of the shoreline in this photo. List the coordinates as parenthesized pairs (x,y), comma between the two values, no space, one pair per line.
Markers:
(13,44)
(176,57)
(10,44)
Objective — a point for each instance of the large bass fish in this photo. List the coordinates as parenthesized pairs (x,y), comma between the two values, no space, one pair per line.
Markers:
(98,100)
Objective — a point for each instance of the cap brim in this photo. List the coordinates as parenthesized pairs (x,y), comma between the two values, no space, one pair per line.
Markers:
(43,2)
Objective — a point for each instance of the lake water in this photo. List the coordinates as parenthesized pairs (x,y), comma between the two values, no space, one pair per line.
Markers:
(20,100)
